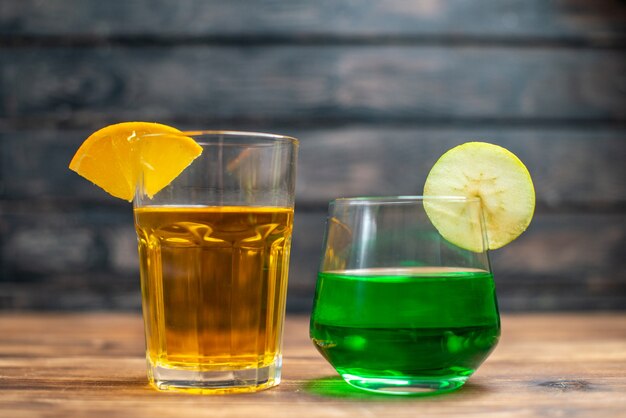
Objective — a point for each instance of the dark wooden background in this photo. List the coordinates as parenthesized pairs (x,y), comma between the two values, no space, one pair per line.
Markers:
(375,89)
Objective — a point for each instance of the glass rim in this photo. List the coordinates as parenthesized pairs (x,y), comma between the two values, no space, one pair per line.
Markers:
(196,134)
(379,200)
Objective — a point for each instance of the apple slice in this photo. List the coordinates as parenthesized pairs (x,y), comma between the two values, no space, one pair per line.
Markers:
(495,176)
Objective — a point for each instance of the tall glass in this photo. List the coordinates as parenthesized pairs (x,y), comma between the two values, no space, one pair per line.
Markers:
(398,308)
(214,255)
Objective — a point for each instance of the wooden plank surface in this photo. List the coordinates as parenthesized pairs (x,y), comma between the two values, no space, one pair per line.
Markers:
(370,83)
(87,259)
(360,160)
(92,365)
(375,89)
(564,19)
(570,258)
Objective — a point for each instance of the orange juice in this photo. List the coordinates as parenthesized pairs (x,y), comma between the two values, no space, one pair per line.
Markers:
(214,282)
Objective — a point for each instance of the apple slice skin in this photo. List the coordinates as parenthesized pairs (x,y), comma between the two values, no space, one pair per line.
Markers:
(494,175)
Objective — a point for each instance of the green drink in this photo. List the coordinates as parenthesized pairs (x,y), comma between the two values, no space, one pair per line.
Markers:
(428,327)
(399,308)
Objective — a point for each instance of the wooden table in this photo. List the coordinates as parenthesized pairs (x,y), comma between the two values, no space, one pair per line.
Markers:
(65,365)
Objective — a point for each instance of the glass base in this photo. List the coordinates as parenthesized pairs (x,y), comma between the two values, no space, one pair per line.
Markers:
(405,385)
(217,381)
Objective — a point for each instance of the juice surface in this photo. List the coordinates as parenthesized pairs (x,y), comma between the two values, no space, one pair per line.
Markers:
(407,322)
(214,282)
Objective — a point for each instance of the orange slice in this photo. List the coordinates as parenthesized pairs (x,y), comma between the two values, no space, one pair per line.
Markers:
(118,156)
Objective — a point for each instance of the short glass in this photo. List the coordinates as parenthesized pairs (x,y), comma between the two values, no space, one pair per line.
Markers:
(214,254)
(398,308)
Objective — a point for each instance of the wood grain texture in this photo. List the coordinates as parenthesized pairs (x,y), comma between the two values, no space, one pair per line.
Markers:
(362,160)
(599,20)
(87,259)
(375,90)
(324,83)
(92,365)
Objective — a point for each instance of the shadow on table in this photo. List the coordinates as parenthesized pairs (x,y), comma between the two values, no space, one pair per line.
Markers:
(336,387)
